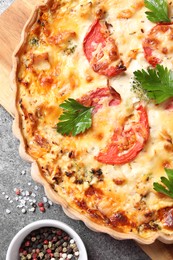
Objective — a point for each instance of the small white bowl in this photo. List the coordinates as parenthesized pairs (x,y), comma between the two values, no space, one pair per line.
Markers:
(13,249)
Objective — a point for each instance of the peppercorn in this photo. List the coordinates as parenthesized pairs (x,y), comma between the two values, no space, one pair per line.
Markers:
(42,209)
(40,204)
(48,243)
(54,239)
(27,243)
(59,232)
(56,254)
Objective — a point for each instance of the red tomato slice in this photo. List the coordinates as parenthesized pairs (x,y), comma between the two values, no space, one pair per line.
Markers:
(127,141)
(158,43)
(169,104)
(101,51)
(95,98)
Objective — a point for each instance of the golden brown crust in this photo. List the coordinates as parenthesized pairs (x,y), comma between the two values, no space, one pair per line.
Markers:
(74,212)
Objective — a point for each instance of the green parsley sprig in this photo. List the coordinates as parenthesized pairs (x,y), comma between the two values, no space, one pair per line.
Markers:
(156,83)
(167,189)
(75,119)
(158,11)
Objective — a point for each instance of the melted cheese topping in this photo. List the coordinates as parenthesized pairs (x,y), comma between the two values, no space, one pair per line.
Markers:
(52,68)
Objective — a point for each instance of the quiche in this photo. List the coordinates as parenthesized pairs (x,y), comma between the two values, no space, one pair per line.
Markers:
(94,112)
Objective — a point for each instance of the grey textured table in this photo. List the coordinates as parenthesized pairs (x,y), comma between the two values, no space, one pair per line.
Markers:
(99,246)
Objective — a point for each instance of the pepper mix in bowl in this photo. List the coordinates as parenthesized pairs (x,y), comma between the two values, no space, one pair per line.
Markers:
(48,243)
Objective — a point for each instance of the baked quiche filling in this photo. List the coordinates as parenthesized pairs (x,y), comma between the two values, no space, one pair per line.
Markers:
(88,51)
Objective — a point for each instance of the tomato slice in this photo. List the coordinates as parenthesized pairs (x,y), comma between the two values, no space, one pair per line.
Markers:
(158,44)
(95,98)
(101,50)
(168,105)
(127,141)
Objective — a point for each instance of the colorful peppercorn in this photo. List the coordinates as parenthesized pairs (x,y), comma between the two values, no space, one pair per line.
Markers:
(48,243)
(40,204)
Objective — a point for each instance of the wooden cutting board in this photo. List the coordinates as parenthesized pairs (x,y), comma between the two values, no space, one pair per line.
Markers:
(11,24)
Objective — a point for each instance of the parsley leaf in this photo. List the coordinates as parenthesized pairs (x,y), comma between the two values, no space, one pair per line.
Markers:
(75,119)
(34,41)
(168,188)
(158,10)
(157,83)
(70,50)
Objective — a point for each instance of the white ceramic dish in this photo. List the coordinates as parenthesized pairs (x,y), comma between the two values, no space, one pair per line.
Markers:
(12,253)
